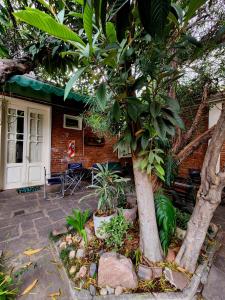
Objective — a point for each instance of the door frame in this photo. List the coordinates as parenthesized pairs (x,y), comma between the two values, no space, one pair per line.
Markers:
(26,105)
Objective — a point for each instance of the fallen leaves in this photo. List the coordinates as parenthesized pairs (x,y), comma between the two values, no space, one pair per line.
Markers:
(32,251)
(29,288)
(55,295)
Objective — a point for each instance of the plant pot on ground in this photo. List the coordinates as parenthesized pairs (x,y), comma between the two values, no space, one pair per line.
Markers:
(128,208)
(108,187)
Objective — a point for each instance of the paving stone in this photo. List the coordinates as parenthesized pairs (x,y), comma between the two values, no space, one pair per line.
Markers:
(9,232)
(27,225)
(56,214)
(215,287)
(39,223)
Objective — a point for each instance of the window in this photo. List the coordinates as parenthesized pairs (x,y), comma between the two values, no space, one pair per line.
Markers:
(72,122)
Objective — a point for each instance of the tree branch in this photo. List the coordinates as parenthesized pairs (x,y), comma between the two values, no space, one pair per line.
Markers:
(181,142)
(9,67)
(192,146)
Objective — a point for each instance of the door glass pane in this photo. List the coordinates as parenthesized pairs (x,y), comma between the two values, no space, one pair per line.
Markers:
(19,151)
(36,138)
(20,125)
(15,136)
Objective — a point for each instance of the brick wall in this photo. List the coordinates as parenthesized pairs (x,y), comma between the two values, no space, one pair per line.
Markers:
(61,137)
(195,161)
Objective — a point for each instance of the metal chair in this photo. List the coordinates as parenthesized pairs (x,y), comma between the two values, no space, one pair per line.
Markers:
(54,179)
(73,177)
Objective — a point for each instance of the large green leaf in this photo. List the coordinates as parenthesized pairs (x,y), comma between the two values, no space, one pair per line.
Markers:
(3,51)
(72,80)
(101,96)
(193,6)
(153,15)
(116,112)
(111,32)
(47,24)
(87,19)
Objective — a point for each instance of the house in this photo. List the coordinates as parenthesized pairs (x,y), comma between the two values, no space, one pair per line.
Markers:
(39,129)
(209,118)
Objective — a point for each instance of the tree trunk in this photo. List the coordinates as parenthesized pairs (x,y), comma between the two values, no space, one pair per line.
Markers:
(149,236)
(208,198)
(9,67)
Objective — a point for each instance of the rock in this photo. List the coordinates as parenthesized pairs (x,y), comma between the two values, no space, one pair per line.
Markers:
(118,290)
(144,272)
(80,253)
(171,255)
(110,290)
(116,270)
(72,254)
(93,270)
(82,272)
(177,279)
(62,245)
(180,233)
(156,272)
(59,231)
(72,270)
(101,252)
(103,291)
(92,290)
(69,239)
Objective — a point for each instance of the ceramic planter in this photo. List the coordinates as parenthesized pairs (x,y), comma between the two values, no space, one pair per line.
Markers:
(130,214)
(98,220)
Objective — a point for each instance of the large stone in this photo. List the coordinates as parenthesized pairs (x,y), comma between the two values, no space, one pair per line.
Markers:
(116,270)
(156,272)
(80,253)
(82,272)
(177,279)
(72,254)
(59,231)
(144,272)
(72,270)
(92,290)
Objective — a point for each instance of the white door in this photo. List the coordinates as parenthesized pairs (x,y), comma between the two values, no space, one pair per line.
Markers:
(27,146)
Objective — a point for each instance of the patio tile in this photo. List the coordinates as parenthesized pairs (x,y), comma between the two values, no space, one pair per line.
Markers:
(27,225)
(56,214)
(42,222)
(9,232)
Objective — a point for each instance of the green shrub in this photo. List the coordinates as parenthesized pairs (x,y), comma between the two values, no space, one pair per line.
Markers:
(166,219)
(77,220)
(116,231)
(182,218)
(7,292)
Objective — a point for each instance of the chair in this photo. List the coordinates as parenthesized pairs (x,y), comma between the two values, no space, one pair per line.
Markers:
(53,179)
(73,176)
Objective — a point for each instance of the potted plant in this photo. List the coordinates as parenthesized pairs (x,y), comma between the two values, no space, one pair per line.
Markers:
(108,187)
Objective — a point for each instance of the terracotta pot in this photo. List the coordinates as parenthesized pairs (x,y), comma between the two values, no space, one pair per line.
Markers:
(98,220)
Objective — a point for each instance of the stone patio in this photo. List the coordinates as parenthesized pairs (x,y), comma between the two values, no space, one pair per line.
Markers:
(26,221)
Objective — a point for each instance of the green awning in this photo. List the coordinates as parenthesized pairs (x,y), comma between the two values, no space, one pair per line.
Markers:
(43,87)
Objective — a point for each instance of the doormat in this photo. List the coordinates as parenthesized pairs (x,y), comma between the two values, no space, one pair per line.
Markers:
(29,189)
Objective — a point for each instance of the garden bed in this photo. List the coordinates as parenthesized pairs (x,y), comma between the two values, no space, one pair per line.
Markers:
(81,264)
